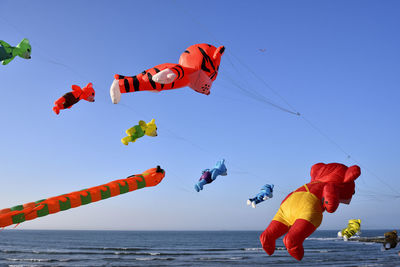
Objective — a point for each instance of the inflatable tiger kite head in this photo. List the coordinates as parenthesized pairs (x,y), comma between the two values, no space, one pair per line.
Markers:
(204,58)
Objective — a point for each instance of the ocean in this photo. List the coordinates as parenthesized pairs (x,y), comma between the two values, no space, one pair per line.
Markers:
(181,248)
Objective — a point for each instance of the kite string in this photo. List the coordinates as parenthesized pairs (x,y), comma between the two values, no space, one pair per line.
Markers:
(42,56)
(173,134)
(260,98)
(253,93)
(206,151)
(265,84)
(287,103)
(316,128)
(254,97)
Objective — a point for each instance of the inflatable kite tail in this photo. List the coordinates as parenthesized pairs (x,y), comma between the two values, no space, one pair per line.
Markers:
(274,230)
(127,84)
(293,241)
(115,92)
(141,82)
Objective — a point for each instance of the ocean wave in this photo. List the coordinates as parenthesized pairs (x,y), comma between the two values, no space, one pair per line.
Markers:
(147,248)
(155,253)
(252,249)
(238,258)
(152,254)
(323,238)
(125,249)
(111,248)
(45,260)
(14,251)
(217,249)
(102,253)
(154,259)
(227,258)
(32,260)
(318,250)
(52,252)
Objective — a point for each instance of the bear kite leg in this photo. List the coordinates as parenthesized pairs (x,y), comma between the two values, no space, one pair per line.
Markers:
(274,230)
(294,239)
(58,105)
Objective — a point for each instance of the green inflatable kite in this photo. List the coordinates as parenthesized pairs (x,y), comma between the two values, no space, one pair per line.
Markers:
(8,52)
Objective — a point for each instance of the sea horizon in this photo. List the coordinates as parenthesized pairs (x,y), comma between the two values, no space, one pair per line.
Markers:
(37,247)
(200,230)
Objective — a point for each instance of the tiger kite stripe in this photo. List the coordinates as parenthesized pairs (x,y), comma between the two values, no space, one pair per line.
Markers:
(40,208)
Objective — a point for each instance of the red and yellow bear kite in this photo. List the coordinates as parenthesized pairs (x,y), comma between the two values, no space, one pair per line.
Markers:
(300,212)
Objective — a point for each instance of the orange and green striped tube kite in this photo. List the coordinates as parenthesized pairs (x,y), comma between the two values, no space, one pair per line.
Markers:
(33,210)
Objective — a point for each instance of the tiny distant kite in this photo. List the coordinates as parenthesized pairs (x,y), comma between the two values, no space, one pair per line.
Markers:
(209,176)
(198,68)
(391,240)
(300,213)
(33,210)
(137,131)
(353,228)
(69,99)
(262,49)
(265,193)
(8,52)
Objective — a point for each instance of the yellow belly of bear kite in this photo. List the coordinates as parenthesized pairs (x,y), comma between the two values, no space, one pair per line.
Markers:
(300,205)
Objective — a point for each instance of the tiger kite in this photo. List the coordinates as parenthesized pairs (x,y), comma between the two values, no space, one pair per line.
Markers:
(352,229)
(197,68)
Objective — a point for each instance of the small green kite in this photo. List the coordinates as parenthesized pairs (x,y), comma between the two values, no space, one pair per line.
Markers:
(8,52)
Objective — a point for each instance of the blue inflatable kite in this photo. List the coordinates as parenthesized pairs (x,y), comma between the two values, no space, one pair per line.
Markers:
(209,176)
(266,192)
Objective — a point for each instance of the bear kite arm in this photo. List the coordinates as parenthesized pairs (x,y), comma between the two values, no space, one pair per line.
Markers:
(76,88)
(352,173)
(330,197)
(4,44)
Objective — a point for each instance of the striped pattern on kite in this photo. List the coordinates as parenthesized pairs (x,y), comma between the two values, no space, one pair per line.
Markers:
(40,208)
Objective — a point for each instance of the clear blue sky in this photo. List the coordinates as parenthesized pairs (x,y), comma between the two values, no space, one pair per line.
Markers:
(335,62)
